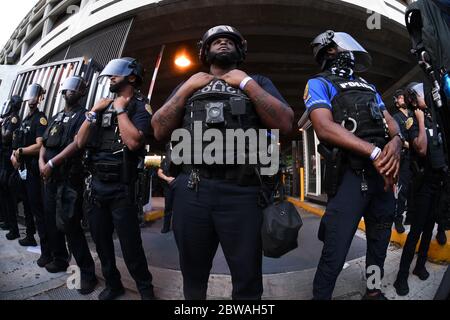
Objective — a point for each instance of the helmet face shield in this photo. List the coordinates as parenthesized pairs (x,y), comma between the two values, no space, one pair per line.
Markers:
(76,84)
(363,60)
(346,42)
(6,109)
(418,90)
(118,68)
(34,91)
(124,67)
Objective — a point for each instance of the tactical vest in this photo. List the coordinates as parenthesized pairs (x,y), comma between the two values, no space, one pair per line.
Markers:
(22,135)
(435,145)
(111,160)
(355,108)
(220,106)
(57,133)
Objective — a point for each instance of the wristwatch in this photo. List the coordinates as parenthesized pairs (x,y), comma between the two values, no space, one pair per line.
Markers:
(119,111)
(91,117)
(402,138)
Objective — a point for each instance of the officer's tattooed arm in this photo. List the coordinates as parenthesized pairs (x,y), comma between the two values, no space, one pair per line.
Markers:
(169,116)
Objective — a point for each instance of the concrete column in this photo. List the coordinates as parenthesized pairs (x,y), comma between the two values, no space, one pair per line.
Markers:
(24,49)
(49,21)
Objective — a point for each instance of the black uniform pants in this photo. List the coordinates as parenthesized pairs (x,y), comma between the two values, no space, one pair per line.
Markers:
(74,233)
(220,212)
(340,222)
(403,184)
(422,224)
(120,214)
(168,204)
(33,188)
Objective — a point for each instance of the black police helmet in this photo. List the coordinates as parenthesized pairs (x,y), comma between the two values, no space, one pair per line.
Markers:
(124,67)
(398,93)
(76,84)
(16,102)
(226,32)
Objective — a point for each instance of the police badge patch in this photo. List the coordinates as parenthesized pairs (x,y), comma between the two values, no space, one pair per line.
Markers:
(409,123)
(306,95)
(43,121)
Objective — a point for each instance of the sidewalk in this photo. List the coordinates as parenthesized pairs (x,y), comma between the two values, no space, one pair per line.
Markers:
(289,277)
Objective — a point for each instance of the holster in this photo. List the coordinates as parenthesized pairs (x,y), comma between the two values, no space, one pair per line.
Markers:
(333,168)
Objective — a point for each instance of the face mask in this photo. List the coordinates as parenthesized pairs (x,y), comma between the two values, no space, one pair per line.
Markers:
(343,64)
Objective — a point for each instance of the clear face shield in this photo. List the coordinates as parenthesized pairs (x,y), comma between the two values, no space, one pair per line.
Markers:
(420,94)
(363,60)
(33,93)
(74,84)
(6,108)
(118,68)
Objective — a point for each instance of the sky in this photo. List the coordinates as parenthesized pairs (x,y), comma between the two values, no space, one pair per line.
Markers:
(11,15)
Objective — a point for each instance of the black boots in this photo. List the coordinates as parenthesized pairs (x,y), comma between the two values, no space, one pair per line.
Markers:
(87,285)
(56,266)
(43,260)
(111,294)
(401,284)
(28,241)
(12,235)
(421,272)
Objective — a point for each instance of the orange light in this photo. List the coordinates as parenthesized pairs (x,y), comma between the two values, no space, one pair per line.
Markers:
(182,61)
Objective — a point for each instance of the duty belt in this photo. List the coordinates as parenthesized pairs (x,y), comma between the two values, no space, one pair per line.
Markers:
(214,172)
(107,172)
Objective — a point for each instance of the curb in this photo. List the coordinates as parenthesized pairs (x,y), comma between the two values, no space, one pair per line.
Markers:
(436,252)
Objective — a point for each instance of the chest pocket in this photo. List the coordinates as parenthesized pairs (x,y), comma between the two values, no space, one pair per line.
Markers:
(54,136)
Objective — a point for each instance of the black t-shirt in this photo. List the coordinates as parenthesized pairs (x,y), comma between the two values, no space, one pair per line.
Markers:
(405,122)
(35,124)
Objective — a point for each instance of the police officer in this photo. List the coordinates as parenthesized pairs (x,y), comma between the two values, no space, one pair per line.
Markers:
(430,165)
(348,116)
(61,168)
(10,123)
(218,203)
(404,118)
(27,141)
(117,129)
(167,179)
